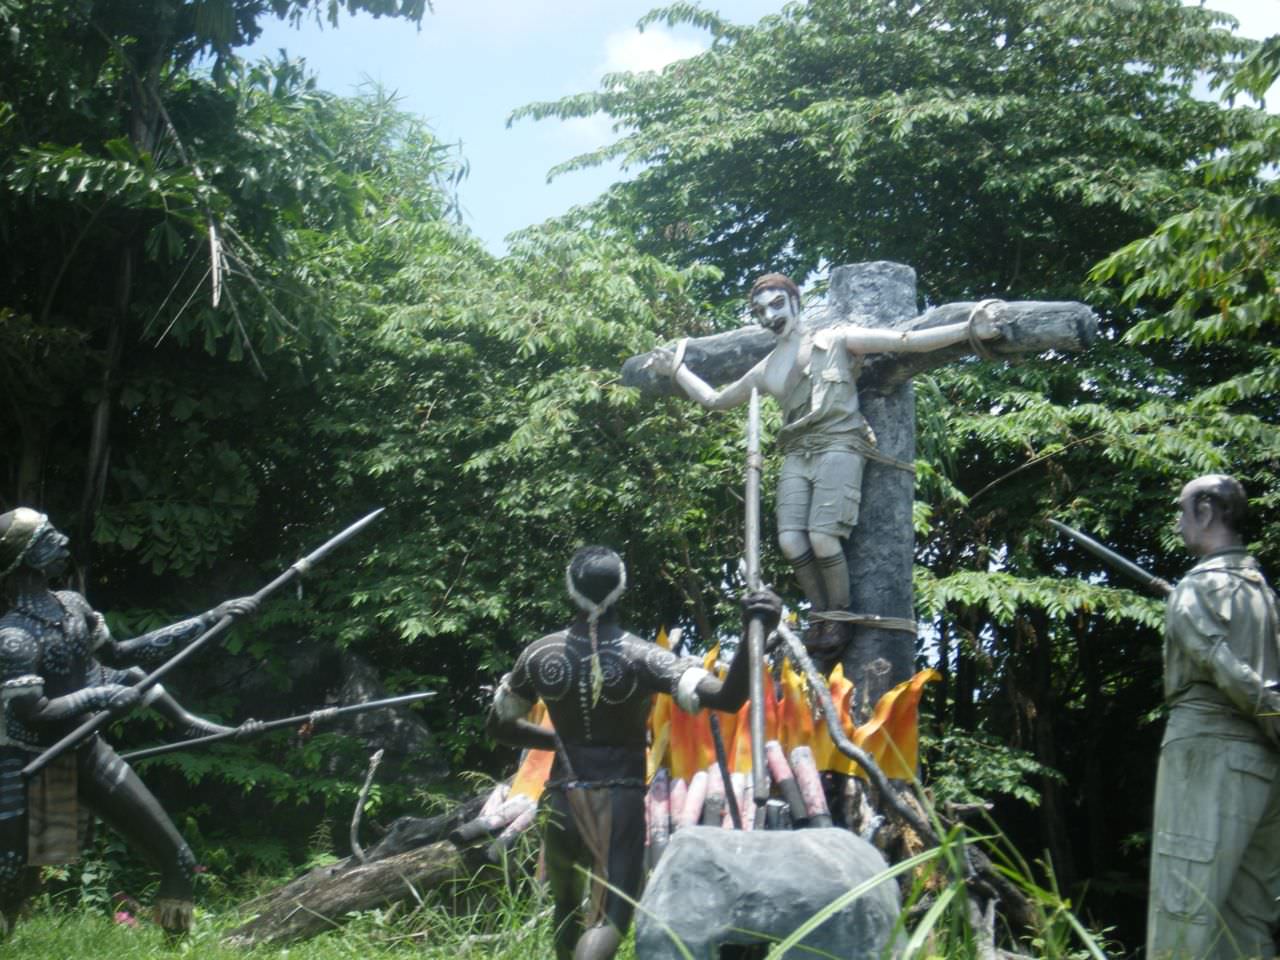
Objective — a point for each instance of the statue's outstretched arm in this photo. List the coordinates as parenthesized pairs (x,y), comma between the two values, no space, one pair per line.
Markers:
(671,363)
(162,702)
(881,340)
(157,646)
(696,688)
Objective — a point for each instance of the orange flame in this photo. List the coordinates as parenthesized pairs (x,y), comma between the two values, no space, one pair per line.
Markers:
(891,736)
(740,751)
(796,719)
(536,766)
(690,745)
(825,752)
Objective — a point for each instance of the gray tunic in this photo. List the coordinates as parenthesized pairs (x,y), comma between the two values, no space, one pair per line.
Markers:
(821,413)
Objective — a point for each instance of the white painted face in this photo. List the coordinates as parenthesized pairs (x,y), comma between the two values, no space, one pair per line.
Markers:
(775,310)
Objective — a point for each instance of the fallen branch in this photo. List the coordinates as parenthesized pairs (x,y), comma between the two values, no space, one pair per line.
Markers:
(356,850)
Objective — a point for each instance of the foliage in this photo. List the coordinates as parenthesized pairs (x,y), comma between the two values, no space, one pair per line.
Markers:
(995,146)
(966,768)
(132,188)
(1002,148)
(488,418)
(364,351)
(1208,274)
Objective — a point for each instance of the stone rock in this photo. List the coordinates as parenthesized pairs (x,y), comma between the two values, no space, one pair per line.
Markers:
(713,887)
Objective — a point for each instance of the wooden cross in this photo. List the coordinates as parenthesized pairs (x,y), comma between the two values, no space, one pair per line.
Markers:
(880,550)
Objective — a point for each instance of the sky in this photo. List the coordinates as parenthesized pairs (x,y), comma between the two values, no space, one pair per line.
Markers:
(474,61)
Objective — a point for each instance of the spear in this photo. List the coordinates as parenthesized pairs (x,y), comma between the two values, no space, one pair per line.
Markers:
(755,629)
(315,716)
(98,720)
(1148,579)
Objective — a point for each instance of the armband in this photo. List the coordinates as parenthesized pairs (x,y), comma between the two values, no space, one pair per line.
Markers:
(508,705)
(686,694)
(13,732)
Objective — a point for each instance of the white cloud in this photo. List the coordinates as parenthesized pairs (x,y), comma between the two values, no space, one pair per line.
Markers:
(633,51)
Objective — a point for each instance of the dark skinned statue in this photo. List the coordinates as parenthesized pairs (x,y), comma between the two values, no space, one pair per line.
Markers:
(58,664)
(597,681)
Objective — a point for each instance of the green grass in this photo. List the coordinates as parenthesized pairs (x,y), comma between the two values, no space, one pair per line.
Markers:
(517,925)
(518,934)
(507,928)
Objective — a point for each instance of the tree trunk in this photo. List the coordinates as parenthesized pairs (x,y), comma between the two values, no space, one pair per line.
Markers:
(321,899)
(881,548)
(410,861)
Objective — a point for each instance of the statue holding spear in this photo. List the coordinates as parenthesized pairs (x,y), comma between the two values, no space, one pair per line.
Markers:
(62,678)
(597,681)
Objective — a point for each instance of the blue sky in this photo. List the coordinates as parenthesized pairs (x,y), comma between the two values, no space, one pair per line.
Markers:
(474,61)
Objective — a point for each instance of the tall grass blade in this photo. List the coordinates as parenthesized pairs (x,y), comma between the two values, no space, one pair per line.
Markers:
(842,901)
(926,925)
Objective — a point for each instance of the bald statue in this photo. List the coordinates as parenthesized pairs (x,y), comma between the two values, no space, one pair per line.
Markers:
(598,681)
(1215,861)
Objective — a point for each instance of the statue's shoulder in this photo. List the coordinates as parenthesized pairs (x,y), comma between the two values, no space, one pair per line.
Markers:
(73,602)
(630,639)
(19,646)
(1215,576)
(544,642)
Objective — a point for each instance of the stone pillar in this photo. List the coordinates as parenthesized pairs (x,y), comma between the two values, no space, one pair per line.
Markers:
(880,550)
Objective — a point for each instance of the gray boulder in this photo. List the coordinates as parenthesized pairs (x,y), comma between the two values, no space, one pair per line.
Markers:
(715,887)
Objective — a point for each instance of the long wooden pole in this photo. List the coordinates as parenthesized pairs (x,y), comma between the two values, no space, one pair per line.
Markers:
(316,716)
(755,629)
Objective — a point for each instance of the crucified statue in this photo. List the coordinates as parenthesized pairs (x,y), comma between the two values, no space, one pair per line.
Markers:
(825,440)
(870,322)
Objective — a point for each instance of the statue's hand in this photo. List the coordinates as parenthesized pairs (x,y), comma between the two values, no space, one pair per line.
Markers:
(663,362)
(236,607)
(765,605)
(985,327)
(120,697)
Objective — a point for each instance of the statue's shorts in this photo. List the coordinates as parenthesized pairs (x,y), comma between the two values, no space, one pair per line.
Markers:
(820,492)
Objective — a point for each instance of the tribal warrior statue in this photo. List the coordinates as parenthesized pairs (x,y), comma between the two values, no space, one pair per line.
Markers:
(825,441)
(58,664)
(597,681)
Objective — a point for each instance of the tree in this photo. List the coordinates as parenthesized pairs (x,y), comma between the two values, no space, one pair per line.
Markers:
(112,178)
(1206,279)
(997,146)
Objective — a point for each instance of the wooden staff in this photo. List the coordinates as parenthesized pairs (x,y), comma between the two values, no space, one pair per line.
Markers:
(755,629)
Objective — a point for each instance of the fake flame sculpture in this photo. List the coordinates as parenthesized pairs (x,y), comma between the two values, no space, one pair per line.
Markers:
(682,742)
